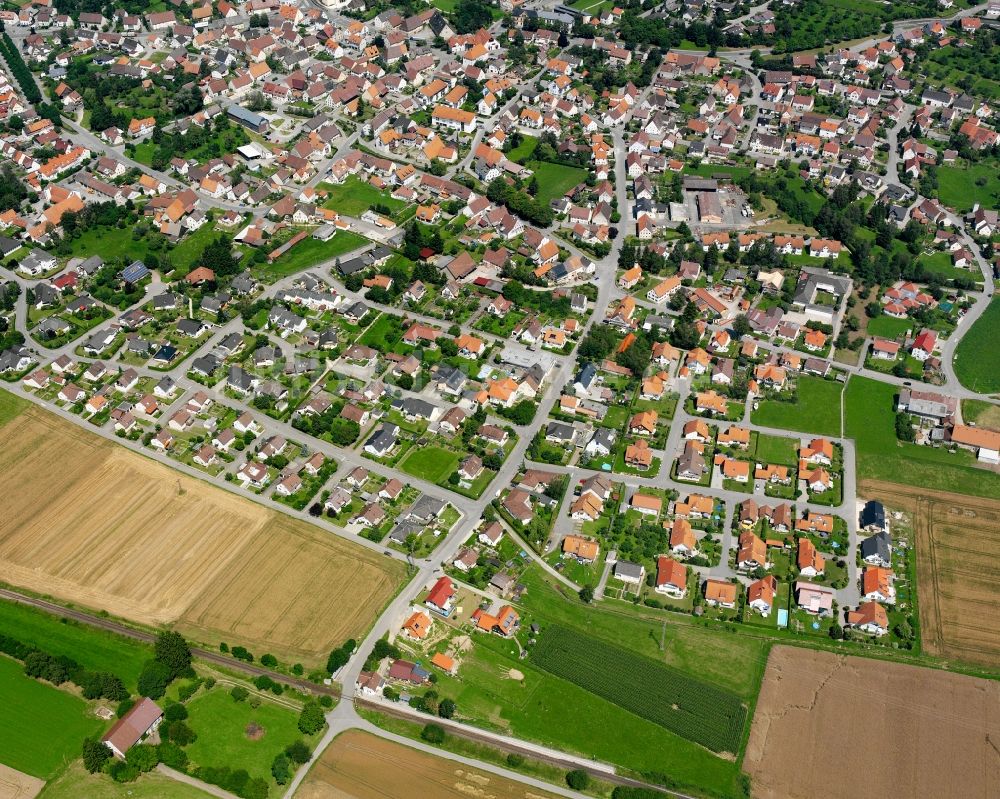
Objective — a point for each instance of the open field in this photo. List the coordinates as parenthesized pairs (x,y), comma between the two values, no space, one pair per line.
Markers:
(309,252)
(686,706)
(18,785)
(355,196)
(296,591)
(433,464)
(870,421)
(957,538)
(115,531)
(829,726)
(554,180)
(977,358)
(222,726)
(358,765)
(75,782)
(43,726)
(959,186)
(94,649)
(816,408)
(10,406)
(982,413)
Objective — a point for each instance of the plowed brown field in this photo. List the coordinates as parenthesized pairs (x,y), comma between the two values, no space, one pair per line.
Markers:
(90,522)
(831,726)
(362,766)
(958,569)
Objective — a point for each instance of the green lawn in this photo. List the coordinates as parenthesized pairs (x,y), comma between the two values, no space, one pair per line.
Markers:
(554,180)
(977,357)
(309,252)
(985,414)
(711,170)
(433,464)
(109,243)
(10,406)
(355,196)
(43,726)
(555,712)
(889,326)
(958,186)
(870,418)
(75,782)
(93,649)
(939,263)
(815,410)
(775,449)
(221,725)
(524,150)
(188,251)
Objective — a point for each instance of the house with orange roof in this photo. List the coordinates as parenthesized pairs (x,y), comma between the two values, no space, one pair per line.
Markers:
(585,550)
(643,423)
(877,585)
(630,277)
(683,543)
(647,504)
(720,593)
(760,594)
(810,562)
(814,340)
(818,480)
(671,577)
(733,469)
(639,455)
(696,506)
(870,618)
(735,436)
(773,473)
(752,552)
(504,623)
(818,450)
(821,523)
(418,625)
(711,402)
(444,662)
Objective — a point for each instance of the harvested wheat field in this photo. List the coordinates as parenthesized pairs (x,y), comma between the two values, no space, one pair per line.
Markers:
(18,785)
(958,574)
(92,523)
(358,765)
(294,588)
(830,726)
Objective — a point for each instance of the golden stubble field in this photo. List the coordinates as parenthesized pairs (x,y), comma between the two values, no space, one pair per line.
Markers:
(18,785)
(830,726)
(92,523)
(358,765)
(957,541)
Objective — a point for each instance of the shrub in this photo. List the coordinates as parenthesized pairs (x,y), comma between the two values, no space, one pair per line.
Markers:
(311,718)
(153,679)
(433,733)
(121,771)
(188,690)
(172,755)
(326,701)
(175,712)
(298,752)
(180,733)
(143,757)
(124,707)
(446,709)
(281,769)
(239,693)
(577,779)
(173,651)
(268,660)
(95,755)
(209,683)
(241,653)
(514,760)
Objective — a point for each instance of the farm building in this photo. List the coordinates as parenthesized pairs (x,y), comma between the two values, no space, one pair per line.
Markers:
(136,724)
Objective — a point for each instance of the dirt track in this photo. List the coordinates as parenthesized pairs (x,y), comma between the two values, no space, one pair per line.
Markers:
(361,766)
(958,574)
(831,726)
